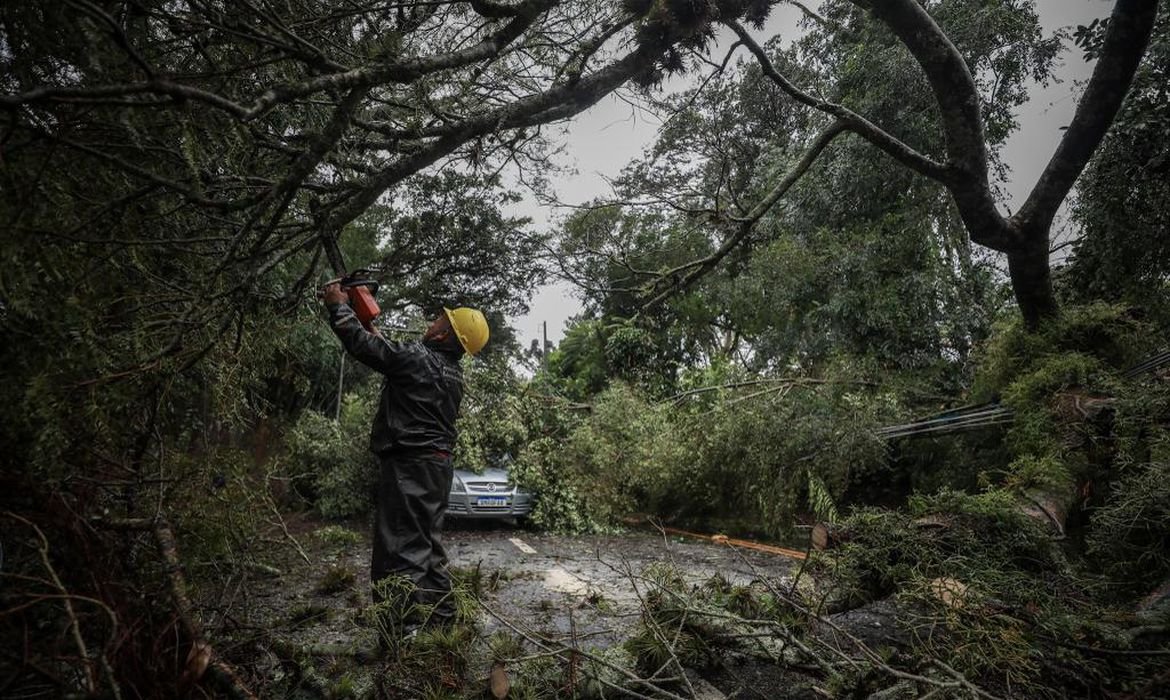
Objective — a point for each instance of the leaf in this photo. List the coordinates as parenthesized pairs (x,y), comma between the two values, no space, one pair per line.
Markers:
(499,681)
(820,500)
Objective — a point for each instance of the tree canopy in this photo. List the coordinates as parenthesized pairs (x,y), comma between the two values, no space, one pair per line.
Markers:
(814,247)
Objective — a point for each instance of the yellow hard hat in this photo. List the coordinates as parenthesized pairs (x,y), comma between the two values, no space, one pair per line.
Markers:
(470,327)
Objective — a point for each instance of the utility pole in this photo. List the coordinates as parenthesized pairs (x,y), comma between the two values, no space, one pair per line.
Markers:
(340,384)
(544,348)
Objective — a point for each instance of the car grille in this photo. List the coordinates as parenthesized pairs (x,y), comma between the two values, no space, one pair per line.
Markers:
(486,487)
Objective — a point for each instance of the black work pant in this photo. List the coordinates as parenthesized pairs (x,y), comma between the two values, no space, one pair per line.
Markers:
(412,499)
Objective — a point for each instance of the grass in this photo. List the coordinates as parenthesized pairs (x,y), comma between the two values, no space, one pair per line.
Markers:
(337,579)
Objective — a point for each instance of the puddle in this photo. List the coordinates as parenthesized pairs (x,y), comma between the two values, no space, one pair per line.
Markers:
(562,581)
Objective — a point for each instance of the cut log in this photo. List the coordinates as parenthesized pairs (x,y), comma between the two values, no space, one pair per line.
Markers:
(827,536)
(1077,406)
(499,681)
(1049,507)
(950,592)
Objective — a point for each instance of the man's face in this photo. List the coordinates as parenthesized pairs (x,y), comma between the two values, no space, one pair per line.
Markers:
(439,329)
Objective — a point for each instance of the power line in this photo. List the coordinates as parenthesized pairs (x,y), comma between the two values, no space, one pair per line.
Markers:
(985,415)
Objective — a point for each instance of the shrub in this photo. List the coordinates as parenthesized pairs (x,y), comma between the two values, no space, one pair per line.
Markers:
(758,457)
(496,415)
(770,456)
(615,460)
(334,457)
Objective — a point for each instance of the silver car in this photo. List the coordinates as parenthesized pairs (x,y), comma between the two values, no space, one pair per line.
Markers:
(486,495)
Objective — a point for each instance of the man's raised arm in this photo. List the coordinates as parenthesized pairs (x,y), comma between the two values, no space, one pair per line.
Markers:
(371,349)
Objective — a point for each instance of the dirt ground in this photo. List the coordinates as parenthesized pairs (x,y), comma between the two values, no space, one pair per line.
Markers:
(583,589)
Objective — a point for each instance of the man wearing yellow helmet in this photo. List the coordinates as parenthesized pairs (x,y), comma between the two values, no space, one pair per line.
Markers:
(412,436)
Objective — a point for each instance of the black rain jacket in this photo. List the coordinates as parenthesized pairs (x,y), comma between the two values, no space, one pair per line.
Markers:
(421,390)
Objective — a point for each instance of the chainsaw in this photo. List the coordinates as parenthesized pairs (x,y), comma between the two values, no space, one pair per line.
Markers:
(359,285)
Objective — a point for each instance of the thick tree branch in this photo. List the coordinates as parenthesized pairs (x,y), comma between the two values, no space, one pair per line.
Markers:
(559,102)
(390,72)
(535,109)
(959,104)
(1125,44)
(949,77)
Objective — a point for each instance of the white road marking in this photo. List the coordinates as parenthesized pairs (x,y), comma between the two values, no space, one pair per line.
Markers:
(522,545)
(562,581)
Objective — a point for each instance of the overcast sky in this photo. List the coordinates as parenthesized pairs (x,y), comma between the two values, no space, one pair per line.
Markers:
(605,138)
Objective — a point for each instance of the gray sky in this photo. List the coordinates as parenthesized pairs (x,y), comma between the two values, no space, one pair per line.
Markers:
(602,140)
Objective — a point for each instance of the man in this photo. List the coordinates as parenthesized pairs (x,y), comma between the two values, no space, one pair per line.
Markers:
(413,436)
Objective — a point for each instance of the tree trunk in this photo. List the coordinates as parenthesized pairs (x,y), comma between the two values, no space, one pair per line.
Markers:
(1031,278)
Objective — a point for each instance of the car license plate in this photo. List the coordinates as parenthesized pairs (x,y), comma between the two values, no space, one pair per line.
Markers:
(492,501)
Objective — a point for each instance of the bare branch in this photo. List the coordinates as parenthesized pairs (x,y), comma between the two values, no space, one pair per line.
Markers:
(683,276)
(854,122)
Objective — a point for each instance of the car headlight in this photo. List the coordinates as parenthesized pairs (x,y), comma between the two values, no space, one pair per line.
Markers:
(457,485)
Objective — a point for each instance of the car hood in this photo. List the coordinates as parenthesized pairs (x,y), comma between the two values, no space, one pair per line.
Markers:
(499,476)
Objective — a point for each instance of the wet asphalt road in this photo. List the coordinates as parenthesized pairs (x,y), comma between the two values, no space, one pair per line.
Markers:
(578,590)
(590,585)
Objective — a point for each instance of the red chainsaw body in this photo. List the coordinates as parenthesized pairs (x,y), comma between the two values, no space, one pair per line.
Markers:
(362,301)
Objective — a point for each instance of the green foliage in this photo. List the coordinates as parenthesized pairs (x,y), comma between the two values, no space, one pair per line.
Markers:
(597,351)
(1039,472)
(337,578)
(611,463)
(761,451)
(981,538)
(1108,333)
(338,536)
(666,630)
(497,415)
(560,503)
(394,612)
(1123,202)
(820,501)
(1141,423)
(436,660)
(1036,428)
(982,542)
(222,499)
(621,454)
(1130,535)
(758,456)
(1038,375)
(578,364)
(447,242)
(984,587)
(859,257)
(333,457)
